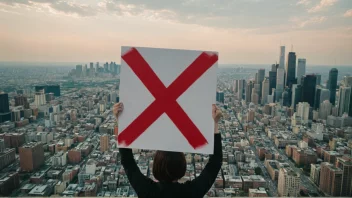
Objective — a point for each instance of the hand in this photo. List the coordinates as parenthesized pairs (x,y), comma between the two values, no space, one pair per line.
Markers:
(217,114)
(117,109)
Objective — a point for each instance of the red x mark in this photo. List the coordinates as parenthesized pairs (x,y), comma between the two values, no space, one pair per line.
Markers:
(165,98)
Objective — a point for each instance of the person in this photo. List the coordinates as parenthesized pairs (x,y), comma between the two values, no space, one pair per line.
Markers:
(169,167)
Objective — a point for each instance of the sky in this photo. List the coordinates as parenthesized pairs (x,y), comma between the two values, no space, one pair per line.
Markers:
(242,31)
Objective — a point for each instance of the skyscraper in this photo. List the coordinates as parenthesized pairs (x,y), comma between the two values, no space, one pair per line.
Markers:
(249,88)
(301,69)
(321,95)
(344,100)
(296,95)
(282,57)
(5,114)
(308,89)
(265,90)
(325,109)
(280,75)
(260,78)
(79,71)
(332,84)
(318,79)
(272,81)
(291,69)
(285,98)
(241,89)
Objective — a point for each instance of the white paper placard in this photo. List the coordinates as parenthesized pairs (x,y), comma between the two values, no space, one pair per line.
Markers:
(196,101)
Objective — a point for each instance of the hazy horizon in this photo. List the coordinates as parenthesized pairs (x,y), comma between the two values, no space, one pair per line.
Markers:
(242,31)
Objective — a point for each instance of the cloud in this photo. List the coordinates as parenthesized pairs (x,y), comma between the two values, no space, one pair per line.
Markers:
(303,2)
(322,4)
(75,9)
(57,6)
(348,13)
(301,23)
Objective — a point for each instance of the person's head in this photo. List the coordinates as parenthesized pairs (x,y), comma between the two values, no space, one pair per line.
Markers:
(169,166)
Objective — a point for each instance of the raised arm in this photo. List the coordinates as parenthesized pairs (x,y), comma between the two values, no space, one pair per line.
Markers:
(140,183)
(201,185)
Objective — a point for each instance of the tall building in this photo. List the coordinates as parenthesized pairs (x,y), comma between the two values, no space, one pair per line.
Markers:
(79,70)
(303,111)
(39,98)
(330,179)
(249,88)
(308,89)
(5,114)
(31,156)
(332,84)
(285,98)
(321,95)
(288,183)
(318,76)
(21,100)
(97,67)
(104,143)
(272,81)
(260,78)
(325,109)
(265,90)
(344,100)
(241,85)
(220,97)
(301,69)
(274,67)
(296,95)
(291,70)
(84,70)
(280,75)
(345,164)
(282,57)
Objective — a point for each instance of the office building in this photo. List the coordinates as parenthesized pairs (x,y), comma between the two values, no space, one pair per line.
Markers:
(104,143)
(259,80)
(344,100)
(332,84)
(280,81)
(220,97)
(79,70)
(285,98)
(308,89)
(249,88)
(39,98)
(330,179)
(296,95)
(291,70)
(318,76)
(303,111)
(31,156)
(265,90)
(282,57)
(288,183)
(272,81)
(301,69)
(241,85)
(21,100)
(5,114)
(321,95)
(325,109)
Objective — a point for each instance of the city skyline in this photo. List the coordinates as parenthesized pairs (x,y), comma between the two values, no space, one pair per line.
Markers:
(62,31)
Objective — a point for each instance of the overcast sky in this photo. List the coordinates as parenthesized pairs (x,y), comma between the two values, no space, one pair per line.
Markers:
(242,31)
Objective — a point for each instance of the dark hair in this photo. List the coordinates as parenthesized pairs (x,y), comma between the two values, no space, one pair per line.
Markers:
(169,166)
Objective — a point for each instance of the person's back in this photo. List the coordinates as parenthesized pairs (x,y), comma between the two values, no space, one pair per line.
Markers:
(169,167)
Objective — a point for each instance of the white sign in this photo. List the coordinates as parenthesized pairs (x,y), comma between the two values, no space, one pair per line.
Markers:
(167,96)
